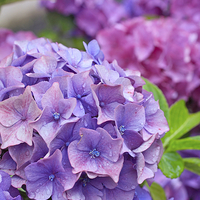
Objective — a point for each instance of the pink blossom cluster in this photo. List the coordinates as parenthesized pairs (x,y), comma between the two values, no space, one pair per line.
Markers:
(7,39)
(165,50)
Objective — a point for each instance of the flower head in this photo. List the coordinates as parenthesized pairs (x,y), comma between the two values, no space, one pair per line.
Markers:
(77,126)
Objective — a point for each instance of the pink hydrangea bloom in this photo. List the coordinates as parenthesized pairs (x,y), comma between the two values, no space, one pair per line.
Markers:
(165,50)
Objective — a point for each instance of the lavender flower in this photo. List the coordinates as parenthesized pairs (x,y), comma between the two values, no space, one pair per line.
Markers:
(16,113)
(47,177)
(57,111)
(96,153)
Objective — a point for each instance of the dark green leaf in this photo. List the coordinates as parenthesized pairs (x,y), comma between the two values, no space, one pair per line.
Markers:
(158,95)
(171,164)
(192,164)
(186,143)
(156,191)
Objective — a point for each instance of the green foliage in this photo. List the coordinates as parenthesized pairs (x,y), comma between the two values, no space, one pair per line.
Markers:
(171,164)
(185,143)
(180,122)
(192,164)
(156,191)
(158,95)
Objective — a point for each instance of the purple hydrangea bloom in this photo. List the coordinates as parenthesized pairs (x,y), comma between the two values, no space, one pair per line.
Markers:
(94,12)
(89,12)
(56,112)
(130,119)
(107,98)
(79,88)
(78,127)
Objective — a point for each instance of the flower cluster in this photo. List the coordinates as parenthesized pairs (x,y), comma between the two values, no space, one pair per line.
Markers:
(7,38)
(74,126)
(92,15)
(165,50)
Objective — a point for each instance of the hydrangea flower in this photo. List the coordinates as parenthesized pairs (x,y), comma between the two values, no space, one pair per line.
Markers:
(89,12)
(77,126)
(47,178)
(94,12)
(7,39)
(151,47)
(16,113)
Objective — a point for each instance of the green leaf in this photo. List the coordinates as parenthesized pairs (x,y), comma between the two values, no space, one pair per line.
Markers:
(171,164)
(180,122)
(158,95)
(156,191)
(178,115)
(186,143)
(192,164)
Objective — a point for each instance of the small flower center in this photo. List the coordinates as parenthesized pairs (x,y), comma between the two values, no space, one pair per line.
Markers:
(102,104)
(23,118)
(56,116)
(51,177)
(94,153)
(122,129)
(78,96)
(85,181)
